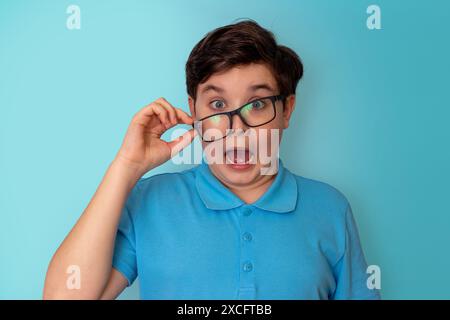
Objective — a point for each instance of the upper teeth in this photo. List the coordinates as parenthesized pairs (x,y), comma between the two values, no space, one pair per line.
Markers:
(240,156)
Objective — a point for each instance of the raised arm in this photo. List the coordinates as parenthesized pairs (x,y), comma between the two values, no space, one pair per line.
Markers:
(89,247)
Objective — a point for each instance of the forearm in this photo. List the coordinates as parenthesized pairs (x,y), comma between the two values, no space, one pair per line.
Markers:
(90,244)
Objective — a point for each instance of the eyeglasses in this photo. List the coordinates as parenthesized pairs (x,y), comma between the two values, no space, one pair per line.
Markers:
(255,113)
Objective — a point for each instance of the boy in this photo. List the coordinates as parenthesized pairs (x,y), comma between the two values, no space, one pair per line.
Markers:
(233,227)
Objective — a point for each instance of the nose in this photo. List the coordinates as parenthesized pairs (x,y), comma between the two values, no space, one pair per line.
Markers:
(238,124)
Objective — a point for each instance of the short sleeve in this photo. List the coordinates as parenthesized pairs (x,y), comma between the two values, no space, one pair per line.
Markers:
(350,270)
(124,257)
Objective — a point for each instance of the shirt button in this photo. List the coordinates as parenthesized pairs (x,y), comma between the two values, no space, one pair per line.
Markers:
(247,236)
(248,267)
(247,211)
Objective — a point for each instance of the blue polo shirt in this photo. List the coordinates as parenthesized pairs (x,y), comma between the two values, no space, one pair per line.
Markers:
(189,237)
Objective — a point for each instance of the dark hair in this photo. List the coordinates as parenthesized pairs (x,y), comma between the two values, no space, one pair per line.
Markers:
(242,43)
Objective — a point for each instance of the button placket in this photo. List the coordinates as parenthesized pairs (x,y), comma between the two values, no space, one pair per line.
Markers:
(247,289)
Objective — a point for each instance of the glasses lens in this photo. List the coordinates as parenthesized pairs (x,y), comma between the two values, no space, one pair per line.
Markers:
(258,112)
(214,127)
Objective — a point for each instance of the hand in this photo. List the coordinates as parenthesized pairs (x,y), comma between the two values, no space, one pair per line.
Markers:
(142,148)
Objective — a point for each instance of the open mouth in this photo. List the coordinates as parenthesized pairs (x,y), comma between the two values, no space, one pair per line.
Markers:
(239,157)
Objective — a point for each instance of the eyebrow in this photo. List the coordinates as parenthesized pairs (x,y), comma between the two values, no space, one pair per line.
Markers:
(261,86)
(211,87)
(253,88)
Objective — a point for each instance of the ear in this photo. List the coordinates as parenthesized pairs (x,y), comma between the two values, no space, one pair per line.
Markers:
(191,106)
(288,109)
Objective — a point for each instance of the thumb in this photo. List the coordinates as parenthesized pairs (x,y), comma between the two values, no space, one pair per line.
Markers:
(181,142)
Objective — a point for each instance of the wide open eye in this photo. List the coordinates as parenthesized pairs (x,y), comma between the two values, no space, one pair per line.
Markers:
(253,106)
(217,104)
(258,104)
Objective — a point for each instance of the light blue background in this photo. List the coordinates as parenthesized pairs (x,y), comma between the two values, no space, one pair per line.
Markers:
(371,119)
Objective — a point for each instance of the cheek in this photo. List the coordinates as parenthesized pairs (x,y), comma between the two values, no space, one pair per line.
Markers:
(280,120)
(268,139)
(271,129)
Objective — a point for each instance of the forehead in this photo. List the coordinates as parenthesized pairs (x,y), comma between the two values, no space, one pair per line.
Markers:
(240,80)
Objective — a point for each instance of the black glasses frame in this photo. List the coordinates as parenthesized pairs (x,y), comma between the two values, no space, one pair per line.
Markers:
(237,111)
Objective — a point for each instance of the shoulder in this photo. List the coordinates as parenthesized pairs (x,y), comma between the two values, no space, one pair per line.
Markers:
(166,178)
(162,183)
(321,191)
(321,199)
(156,191)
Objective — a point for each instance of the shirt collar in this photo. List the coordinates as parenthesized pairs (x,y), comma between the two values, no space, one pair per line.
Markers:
(281,196)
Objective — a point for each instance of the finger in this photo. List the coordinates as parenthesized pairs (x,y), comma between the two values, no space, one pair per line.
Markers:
(179,114)
(181,142)
(170,109)
(183,116)
(163,115)
(145,114)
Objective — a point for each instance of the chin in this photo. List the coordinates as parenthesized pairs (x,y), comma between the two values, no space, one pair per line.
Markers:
(238,174)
